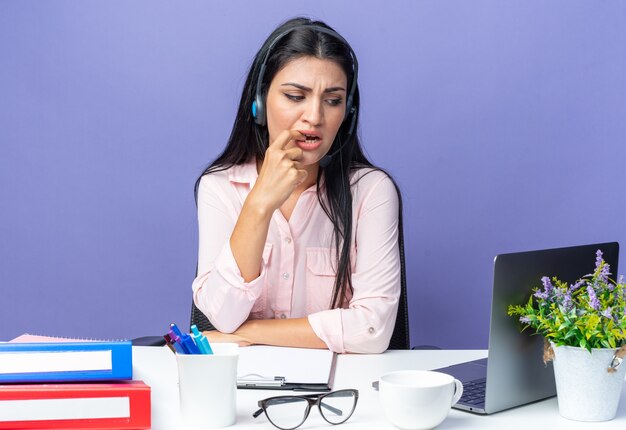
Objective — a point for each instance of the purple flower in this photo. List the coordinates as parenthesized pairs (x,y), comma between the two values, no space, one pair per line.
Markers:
(577,285)
(548,288)
(599,258)
(524,320)
(547,285)
(607,313)
(602,267)
(593,299)
(605,272)
(567,299)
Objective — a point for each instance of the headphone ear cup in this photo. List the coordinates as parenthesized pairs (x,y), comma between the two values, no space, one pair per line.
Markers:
(254,110)
(258,111)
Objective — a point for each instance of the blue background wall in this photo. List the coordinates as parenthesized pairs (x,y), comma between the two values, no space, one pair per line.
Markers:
(503,122)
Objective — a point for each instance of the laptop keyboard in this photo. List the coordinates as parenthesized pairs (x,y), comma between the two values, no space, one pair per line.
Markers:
(474,392)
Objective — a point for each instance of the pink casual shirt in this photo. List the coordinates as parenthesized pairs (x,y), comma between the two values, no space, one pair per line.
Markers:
(297,274)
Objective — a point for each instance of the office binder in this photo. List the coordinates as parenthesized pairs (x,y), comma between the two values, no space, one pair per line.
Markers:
(65,361)
(115,405)
(283,368)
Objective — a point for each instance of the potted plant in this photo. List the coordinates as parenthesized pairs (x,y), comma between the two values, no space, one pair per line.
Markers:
(584,325)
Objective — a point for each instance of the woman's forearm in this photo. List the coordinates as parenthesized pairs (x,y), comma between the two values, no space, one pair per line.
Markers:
(293,332)
(248,239)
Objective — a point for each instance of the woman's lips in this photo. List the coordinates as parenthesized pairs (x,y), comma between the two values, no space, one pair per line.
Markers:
(309,145)
(309,141)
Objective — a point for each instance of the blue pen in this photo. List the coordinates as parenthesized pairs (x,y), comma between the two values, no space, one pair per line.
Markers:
(178,343)
(186,340)
(201,340)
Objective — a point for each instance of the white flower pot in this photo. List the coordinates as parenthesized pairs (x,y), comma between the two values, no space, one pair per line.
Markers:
(586,391)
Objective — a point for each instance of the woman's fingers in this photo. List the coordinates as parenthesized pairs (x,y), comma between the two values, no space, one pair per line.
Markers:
(281,149)
(282,170)
(293,172)
(284,138)
(301,176)
(294,153)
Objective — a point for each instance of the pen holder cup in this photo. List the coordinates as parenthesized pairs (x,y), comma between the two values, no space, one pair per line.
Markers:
(208,387)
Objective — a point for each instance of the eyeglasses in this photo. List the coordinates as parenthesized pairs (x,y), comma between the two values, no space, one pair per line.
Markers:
(289,412)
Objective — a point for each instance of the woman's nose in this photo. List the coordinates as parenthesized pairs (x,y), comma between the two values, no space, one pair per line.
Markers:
(313,112)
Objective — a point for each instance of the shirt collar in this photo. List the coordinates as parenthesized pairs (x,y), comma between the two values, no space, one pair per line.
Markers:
(245,173)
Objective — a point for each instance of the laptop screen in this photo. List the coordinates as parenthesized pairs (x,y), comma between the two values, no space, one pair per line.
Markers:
(515,373)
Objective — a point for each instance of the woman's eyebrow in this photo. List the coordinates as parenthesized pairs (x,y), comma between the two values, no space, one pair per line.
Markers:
(307,89)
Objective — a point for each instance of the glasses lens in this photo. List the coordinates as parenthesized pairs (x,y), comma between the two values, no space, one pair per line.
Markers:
(286,412)
(336,407)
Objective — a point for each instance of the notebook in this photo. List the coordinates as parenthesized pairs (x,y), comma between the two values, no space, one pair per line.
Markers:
(514,373)
(282,368)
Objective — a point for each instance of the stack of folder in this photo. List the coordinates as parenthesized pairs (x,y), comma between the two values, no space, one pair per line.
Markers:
(68,385)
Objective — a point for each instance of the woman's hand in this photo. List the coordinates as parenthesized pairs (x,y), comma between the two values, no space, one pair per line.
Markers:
(215,336)
(280,174)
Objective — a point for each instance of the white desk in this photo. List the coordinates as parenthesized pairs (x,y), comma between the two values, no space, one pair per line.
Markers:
(157,367)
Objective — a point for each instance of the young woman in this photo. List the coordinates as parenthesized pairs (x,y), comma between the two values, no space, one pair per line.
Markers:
(298,232)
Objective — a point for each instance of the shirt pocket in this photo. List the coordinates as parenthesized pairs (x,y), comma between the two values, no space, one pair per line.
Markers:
(260,305)
(320,279)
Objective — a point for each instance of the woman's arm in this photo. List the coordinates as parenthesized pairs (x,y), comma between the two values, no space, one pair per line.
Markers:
(367,324)
(294,332)
(280,174)
(232,237)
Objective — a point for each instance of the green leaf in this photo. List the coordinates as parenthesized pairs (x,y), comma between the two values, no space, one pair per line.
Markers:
(570,333)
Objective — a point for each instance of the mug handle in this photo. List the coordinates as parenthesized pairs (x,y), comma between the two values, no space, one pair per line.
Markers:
(458,392)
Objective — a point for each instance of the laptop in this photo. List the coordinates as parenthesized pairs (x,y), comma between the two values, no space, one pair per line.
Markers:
(514,373)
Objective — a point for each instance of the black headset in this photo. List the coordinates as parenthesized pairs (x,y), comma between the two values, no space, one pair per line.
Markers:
(258,105)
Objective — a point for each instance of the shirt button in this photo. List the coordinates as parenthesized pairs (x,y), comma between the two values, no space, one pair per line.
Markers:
(288,240)
(283,316)
(285,275)
(371,330)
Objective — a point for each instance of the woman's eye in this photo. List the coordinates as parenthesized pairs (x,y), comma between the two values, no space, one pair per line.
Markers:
(294,97)
(334,102)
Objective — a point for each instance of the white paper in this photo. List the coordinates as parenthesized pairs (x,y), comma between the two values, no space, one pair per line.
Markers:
(296,365)
(61,361)
(64,409)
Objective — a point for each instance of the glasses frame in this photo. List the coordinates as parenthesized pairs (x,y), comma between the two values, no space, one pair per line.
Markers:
(312,400)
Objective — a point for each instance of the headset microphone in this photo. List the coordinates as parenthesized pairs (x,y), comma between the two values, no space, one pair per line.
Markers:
(326,159)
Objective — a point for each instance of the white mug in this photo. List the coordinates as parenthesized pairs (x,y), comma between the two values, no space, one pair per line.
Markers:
(418,399)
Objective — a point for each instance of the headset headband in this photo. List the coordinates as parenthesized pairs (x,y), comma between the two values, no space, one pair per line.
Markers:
(258,106)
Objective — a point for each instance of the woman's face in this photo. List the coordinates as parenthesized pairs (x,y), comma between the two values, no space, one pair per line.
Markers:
(308,95)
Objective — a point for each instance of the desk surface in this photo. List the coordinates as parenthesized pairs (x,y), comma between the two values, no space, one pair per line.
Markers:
(157,367)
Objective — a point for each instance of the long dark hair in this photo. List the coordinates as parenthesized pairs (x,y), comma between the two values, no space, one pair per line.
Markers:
(249,140)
